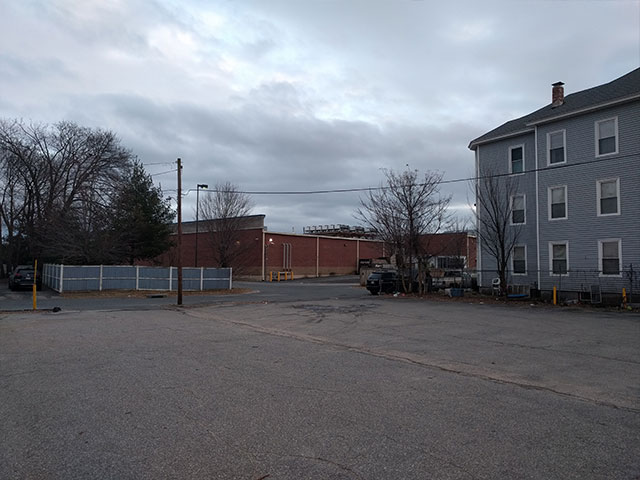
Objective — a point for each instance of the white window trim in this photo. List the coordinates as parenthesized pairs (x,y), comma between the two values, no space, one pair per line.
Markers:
(595,132)
(564,147)
(566,202)
(513,147)
(607,240)
(526,264)
(524,199)
(599,196)
(551,244)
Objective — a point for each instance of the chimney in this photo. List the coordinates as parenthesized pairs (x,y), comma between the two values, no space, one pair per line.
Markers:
(557,94)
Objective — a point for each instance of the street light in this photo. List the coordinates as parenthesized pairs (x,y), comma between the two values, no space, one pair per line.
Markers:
(265,264)
(198,187)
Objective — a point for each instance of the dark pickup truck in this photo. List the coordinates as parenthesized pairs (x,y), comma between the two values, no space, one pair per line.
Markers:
(382,282)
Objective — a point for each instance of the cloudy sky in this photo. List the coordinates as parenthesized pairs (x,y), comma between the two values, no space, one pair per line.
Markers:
(282,95)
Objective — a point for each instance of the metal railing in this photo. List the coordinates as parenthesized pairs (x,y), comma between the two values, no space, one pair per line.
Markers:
(580,281)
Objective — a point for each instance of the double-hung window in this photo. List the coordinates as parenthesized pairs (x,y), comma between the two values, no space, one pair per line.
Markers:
(607,136)
(556,151)
(516,159)
(609,256)
(519,258)
(558,202)
(608,192)
(559,258)
(518,210)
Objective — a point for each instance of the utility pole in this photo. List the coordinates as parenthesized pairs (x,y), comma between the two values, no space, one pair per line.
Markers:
(179,232)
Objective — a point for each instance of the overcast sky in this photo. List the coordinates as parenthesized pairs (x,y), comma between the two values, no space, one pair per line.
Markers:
(280,95)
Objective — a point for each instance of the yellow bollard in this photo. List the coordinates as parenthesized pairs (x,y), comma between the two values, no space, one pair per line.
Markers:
(555,295)
(278,276)
(624,297)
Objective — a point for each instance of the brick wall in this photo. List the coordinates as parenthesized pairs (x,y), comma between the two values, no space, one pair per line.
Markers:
(309,256)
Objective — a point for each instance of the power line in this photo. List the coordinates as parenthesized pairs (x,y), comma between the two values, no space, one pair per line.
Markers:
(543,169)
(458,180)
(163,173)
(365,189)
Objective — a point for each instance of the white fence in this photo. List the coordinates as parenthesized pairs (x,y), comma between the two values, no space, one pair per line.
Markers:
(68,278)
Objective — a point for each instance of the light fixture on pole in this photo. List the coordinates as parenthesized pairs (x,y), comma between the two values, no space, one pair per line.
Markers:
(198,187)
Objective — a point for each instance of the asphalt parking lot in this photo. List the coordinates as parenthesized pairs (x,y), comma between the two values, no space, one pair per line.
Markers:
(327,387)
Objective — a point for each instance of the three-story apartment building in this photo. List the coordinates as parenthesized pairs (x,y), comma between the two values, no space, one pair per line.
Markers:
(574,167)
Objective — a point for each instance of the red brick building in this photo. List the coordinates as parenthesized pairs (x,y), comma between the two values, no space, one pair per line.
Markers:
(451,251)
(261,251)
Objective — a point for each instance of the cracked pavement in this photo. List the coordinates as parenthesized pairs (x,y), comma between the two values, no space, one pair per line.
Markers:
(342,388)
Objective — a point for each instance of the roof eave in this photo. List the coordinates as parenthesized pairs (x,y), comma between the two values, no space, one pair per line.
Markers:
(475,143)
(581,111)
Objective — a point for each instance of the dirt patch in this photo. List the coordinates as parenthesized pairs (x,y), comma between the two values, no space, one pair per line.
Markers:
(147,293)
(477,298)
(469,297)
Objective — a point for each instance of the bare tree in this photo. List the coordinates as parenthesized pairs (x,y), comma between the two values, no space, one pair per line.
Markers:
(496,231)
(58,190)
(402,210)
(454,248)
(12,206)
(223,211)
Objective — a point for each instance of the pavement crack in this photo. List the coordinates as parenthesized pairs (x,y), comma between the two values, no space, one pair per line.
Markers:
(327,461)
(407,358)
(548,348)
(17,374)
(307,389)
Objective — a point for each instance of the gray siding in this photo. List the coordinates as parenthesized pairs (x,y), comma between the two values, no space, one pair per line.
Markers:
(583,228)
(494,158)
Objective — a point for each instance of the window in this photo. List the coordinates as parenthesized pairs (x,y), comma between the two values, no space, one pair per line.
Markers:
(556,147)
(451,263)
(519,258)
(516,159)
(607,136)
(608,197)
(517,209)
(558,202)
(559,258)
(609,256)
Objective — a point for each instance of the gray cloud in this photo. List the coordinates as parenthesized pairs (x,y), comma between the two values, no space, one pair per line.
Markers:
(286,95)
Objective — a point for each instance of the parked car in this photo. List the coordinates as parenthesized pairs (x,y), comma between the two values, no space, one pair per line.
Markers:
(22,277)
(382,282)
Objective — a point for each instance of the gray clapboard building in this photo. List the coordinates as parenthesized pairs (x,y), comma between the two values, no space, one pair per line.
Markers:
(574,167)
